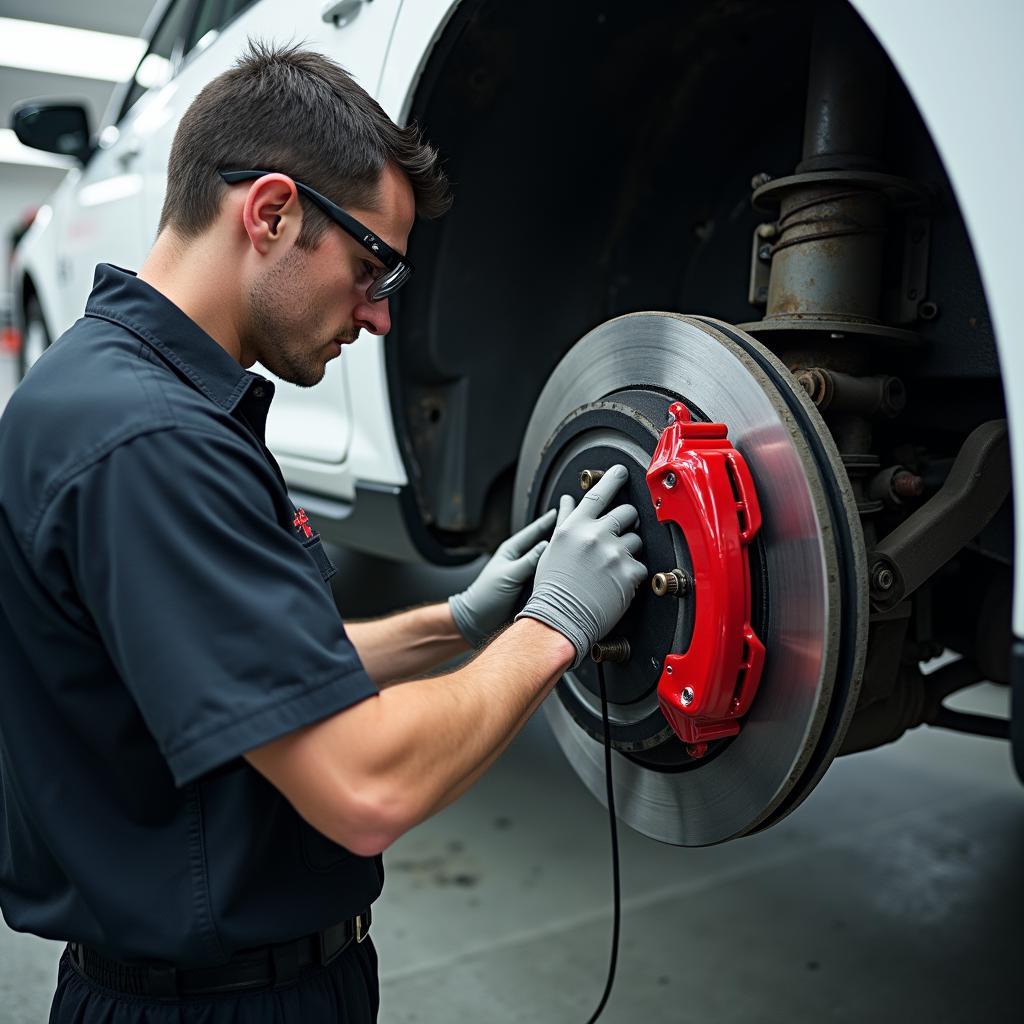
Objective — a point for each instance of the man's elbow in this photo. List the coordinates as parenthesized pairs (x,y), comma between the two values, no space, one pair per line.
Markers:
(368,822)
(368,844)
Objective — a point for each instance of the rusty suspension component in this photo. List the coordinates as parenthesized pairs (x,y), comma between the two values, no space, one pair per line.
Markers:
(976,487)
(832,391)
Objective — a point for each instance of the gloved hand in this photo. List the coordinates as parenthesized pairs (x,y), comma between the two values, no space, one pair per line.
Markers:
(487,604)
(588,575)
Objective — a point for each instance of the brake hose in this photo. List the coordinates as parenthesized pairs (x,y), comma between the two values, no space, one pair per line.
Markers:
(613,828)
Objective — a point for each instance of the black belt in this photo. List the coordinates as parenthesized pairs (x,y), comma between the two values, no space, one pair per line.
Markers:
(254,968)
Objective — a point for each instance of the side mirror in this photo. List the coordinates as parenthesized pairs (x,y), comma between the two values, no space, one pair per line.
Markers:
(54,127)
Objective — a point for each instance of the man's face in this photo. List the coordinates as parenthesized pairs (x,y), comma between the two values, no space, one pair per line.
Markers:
(306,304)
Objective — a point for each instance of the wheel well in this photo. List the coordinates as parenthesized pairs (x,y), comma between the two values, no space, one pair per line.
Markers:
(601,160)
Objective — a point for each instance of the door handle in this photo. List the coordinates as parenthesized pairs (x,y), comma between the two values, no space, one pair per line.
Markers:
(128,156)
(341,12)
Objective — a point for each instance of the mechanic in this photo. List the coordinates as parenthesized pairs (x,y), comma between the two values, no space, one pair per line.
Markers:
(199,765)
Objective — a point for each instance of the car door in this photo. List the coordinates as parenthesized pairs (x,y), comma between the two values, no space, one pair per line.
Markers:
(106,217)
(309,430)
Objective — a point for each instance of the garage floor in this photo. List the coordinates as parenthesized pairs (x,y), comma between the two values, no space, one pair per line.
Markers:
(895,893)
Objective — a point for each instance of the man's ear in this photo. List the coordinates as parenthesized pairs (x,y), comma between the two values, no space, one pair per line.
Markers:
(272,211)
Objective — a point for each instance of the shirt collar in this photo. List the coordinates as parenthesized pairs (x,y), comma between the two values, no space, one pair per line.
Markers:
(119,296)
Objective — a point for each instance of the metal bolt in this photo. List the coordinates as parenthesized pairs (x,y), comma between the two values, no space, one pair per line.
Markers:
(815,383)
(759,180)
(687,695)
(907,485)
(669,481)
(927,310)
(882,577)
(589,477)
(675,581)
(616,649)
(767,230)
(764,252)
(806,380)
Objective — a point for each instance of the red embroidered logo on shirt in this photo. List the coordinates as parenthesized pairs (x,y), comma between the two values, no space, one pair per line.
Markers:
(301,522)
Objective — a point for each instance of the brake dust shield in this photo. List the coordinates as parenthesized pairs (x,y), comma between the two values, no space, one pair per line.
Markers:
(608,402)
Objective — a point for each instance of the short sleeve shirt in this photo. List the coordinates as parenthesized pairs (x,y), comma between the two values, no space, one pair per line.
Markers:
(163,609)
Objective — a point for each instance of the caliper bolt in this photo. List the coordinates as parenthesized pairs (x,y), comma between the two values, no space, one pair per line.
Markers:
(589,477)
(882,577)
(675,581)
(616,649)
(669,481)
(687,695)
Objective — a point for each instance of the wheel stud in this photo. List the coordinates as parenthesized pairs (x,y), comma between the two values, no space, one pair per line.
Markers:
(615,649)
(674,582)
(589,477)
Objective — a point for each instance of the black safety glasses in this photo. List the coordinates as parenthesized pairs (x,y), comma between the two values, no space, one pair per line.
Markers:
(397,269)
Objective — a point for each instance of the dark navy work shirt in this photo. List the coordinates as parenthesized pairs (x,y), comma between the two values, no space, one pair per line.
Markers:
(163,609)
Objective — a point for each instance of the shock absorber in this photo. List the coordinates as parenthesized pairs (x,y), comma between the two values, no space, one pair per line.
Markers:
(817,267)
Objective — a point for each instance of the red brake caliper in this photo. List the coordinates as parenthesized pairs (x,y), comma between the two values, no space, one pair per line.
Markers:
(702,484)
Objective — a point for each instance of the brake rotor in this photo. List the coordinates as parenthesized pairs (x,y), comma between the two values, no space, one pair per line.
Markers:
(608,402)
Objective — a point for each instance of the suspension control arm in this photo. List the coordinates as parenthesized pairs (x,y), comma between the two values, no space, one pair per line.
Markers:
(974,491)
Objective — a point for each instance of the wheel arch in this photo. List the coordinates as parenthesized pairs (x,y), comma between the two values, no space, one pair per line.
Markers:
(601,164)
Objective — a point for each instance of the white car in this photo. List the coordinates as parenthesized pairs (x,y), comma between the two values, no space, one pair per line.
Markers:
(798,220)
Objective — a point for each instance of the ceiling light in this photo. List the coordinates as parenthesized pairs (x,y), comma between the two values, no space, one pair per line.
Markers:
(59,50)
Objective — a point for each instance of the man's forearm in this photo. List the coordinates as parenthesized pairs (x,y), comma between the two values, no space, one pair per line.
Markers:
(407,643)
(442,734)
(370,773)
(475,771)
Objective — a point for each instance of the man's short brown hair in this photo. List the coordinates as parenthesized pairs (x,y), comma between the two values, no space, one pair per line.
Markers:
(294,111)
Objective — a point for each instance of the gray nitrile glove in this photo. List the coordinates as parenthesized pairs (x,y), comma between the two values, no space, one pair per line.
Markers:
(487,604)
(588,575)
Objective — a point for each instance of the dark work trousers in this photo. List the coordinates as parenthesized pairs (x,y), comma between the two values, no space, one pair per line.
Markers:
(345,991)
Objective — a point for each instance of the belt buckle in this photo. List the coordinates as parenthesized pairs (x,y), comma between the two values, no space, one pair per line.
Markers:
(362,929)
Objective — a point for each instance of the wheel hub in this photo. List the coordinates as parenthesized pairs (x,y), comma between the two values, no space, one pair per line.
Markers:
(622,428)
(607,403)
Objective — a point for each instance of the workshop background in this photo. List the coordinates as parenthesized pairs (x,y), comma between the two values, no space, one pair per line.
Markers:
(894,893)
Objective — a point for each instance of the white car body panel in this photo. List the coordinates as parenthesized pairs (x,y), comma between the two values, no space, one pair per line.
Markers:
(961,63)
(418,28)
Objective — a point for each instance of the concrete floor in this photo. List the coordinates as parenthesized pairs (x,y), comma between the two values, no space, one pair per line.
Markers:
(894,893)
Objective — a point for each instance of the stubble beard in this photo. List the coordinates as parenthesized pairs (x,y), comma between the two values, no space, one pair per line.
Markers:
(281,335)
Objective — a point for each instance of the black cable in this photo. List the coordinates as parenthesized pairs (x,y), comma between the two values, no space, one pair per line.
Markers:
(616,888)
